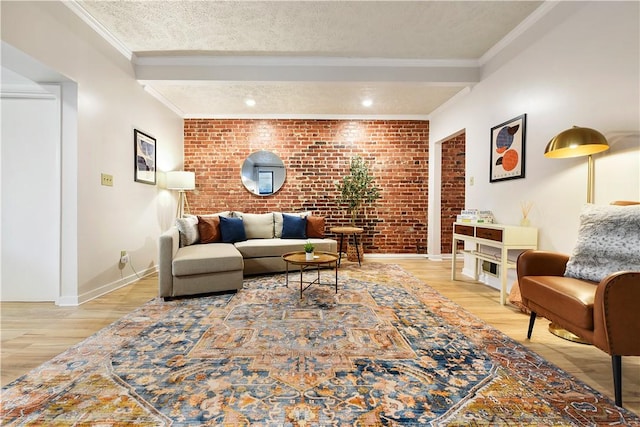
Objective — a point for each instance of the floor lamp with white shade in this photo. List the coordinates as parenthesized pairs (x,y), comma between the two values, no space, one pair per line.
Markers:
(181,181)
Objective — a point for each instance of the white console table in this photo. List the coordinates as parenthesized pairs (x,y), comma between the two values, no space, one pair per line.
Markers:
(503,237)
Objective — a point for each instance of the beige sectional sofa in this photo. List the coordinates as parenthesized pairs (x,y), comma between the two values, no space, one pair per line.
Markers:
(199,255)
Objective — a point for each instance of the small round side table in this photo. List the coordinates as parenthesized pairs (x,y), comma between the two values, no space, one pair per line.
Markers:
(354,231)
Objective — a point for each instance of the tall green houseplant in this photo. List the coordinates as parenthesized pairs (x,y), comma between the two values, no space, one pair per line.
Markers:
(357,188)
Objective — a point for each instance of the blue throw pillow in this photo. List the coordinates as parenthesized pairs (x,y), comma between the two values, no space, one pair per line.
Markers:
(294,227)
(232,230)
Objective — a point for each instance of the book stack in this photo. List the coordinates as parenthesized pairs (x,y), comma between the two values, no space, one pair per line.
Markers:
(475,216)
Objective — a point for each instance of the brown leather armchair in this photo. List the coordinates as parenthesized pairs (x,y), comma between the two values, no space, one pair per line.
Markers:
(604,314)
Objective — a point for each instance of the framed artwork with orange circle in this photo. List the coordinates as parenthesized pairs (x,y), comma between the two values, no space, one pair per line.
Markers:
(507,149)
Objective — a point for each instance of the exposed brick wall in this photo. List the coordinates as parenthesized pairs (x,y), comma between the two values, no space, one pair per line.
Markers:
(452,188)
(317,154)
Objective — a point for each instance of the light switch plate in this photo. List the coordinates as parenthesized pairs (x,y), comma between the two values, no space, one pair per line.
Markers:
(107,179)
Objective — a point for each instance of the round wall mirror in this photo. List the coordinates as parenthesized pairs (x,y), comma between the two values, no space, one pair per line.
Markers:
(263,173)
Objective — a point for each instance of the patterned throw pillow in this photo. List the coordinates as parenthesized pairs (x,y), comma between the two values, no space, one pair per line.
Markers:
(188,228)
(608,241)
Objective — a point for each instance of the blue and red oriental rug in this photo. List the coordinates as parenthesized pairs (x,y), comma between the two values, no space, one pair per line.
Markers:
(386,350)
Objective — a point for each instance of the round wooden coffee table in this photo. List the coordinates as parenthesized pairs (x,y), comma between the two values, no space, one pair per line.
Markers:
(319,259)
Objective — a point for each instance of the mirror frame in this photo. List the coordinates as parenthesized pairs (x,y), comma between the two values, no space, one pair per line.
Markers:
(263,173)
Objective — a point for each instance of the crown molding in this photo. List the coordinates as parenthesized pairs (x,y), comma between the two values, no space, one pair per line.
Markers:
(307,116)
(88,19)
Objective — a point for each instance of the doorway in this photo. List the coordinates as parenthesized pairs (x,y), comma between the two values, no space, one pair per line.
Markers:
(30,190)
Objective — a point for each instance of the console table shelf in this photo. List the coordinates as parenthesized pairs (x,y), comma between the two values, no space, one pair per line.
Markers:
(502,237)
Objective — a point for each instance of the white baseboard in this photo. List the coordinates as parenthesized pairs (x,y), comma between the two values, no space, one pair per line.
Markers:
(105,289)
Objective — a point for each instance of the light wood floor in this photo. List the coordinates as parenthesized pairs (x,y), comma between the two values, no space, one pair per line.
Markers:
(33,333)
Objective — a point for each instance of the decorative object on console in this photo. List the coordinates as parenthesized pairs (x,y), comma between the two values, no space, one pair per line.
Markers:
(577,142)
(181,181)
(507,156)
(475,216)
(144,167)
(525,207)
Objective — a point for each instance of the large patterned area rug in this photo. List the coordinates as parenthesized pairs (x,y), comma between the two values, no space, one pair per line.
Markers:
(385,350)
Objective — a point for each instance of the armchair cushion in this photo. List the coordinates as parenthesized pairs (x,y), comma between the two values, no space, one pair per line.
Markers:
(608,241)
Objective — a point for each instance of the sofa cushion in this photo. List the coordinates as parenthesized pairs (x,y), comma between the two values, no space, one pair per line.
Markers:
(232,230)
(294,227)
(188,228)
(204,259)
(608,241)
(277,221)
(259,248)
(209,229)
(257,226)
(315,226)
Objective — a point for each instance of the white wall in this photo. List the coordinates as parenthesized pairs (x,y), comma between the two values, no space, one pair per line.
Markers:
(110,105)
(585,72)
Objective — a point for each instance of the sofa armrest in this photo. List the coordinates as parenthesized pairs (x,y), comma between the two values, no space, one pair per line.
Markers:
(541,263)
(169,242)
(615,314)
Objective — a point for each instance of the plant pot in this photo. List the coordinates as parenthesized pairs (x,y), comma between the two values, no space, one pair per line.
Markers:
(352,255)
(308,256)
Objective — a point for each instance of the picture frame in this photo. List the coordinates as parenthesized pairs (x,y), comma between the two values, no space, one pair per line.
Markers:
(144,159)
(265,182)
(507,156)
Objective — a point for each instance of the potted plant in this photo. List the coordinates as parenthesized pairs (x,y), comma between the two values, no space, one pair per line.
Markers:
(308,249)
(356,190)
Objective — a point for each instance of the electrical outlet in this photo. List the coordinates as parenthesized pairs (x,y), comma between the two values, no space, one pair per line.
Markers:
(124,257)
(107,179)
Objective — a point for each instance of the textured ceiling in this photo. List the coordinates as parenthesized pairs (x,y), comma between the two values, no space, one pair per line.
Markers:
(205,58)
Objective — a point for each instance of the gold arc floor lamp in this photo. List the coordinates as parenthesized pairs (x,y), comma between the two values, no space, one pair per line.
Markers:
(181,181)
(576,142)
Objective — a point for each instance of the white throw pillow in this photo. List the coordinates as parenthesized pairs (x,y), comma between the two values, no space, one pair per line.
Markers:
(188,228)
(257,226)
(608,242)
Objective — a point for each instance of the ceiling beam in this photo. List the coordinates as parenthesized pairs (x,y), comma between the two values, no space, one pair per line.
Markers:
(279,69)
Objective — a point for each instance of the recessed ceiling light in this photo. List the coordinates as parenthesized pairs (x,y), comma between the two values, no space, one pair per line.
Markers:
(250,102)
(367,102)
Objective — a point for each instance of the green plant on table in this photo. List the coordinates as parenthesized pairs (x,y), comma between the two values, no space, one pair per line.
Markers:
(308,247)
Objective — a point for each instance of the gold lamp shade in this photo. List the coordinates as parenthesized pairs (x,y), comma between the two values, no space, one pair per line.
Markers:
(576,142)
